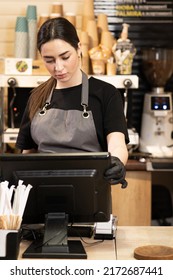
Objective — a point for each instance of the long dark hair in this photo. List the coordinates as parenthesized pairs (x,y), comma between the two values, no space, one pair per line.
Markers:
(55,28)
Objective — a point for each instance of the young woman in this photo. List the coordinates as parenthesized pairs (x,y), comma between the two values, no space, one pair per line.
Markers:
(69,112)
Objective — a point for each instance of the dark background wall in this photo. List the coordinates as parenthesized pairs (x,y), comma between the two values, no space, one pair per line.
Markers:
(151,25)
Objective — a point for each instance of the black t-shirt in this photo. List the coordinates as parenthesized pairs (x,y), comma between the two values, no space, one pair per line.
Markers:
(105,102)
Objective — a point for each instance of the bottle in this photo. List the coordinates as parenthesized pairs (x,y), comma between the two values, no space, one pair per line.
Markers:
(124,52)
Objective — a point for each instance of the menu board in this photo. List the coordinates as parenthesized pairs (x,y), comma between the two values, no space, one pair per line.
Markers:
(135,10)
(148,20)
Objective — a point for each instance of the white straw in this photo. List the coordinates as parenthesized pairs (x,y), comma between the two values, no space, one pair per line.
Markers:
(24,200)
(11,189)
(13,213)
(4,202)
(18,197)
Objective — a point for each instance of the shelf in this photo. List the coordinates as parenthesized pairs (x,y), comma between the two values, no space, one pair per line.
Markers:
(35,80)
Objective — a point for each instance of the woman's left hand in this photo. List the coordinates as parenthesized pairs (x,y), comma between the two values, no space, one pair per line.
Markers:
(115,174)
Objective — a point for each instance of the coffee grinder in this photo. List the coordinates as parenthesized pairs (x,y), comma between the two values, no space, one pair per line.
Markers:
(156,137)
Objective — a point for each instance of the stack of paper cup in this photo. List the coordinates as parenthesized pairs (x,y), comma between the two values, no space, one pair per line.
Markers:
(31,15)
(88,13)
(84,39)
(107,39)
(21,38)
(93,33)
(102,24)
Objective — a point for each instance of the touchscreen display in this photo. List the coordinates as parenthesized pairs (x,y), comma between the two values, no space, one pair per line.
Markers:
(160,103)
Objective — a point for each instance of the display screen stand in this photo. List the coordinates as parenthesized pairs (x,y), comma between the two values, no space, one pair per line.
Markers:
(55,243)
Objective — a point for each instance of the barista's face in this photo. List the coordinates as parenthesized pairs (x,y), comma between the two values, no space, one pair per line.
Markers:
(62,61)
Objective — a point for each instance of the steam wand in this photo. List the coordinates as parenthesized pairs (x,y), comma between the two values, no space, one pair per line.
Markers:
(127,84)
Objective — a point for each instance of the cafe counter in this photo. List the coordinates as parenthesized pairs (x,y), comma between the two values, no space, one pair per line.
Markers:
(132,205)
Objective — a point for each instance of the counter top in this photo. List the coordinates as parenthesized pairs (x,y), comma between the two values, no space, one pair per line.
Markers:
(150,164)
(135,165)
(128,238)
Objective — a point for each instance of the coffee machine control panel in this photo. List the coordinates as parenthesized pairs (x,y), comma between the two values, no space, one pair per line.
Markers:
(161,104)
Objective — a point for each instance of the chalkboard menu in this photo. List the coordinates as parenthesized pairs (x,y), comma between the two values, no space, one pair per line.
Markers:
(150,25)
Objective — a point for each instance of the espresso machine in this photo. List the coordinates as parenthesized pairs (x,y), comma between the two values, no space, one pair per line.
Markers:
(156,137)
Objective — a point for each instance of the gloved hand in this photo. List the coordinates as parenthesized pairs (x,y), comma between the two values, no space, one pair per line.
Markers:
(115,174)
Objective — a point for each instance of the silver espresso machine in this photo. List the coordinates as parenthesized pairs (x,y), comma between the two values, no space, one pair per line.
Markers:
(156,135)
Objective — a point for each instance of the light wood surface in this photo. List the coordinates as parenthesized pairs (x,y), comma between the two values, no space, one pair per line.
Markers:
(132,205)
(127,239)
(38,68)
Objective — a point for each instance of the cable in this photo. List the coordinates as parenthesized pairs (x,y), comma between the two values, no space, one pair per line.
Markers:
(12,83)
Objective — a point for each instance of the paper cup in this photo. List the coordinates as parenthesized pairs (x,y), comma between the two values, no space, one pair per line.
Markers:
(98,67)
(110,69)
(88,13)
(21,24)
(57,8)
(84,38)
(32,36)
(93,34)
(102,22)
(107,39)
(88,8)
(21,45)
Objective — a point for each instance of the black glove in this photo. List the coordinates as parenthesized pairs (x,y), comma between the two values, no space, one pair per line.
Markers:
(115,174)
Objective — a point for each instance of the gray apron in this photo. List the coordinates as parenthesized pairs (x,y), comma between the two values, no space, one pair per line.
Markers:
(63,131)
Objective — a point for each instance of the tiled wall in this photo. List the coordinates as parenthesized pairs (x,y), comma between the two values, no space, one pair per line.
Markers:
(10,9)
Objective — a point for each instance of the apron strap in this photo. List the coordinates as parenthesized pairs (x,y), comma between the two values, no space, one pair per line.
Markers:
(84,97)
